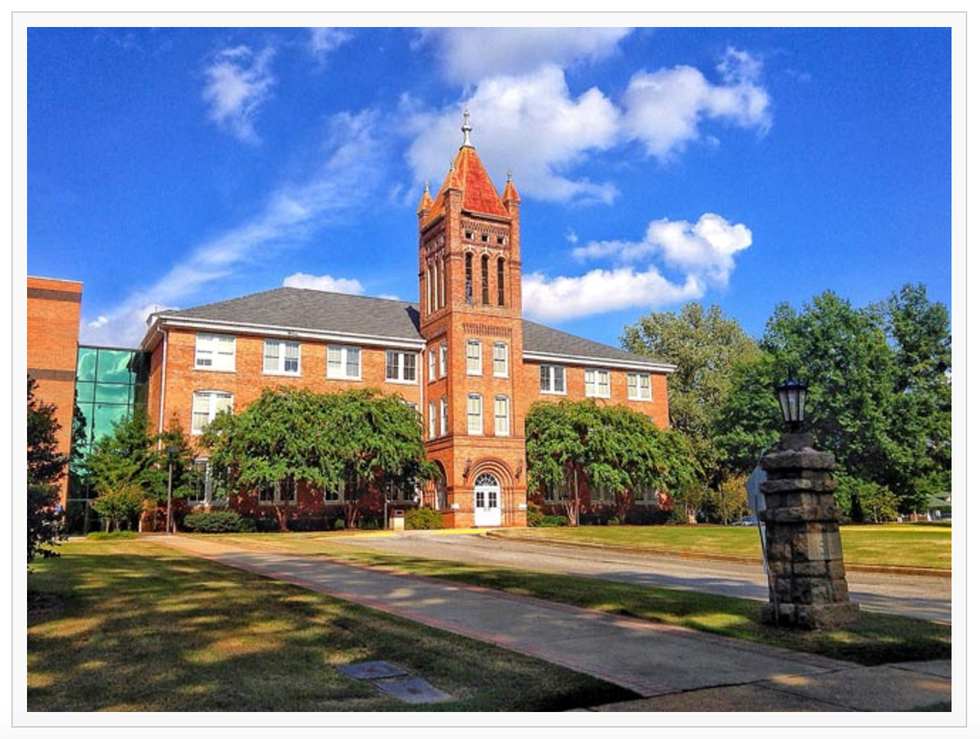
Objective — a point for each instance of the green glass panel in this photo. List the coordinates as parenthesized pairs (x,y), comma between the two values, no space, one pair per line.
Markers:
(106,416)
(114,365)
(112,393)
(85,392)
(85,369)
(88,410)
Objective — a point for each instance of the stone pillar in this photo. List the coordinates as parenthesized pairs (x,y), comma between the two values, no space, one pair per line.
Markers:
(807,585)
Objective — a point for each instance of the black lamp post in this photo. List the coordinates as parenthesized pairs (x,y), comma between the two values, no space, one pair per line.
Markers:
(792,399)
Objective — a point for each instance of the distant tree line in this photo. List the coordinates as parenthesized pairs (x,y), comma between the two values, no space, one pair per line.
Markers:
(880,396)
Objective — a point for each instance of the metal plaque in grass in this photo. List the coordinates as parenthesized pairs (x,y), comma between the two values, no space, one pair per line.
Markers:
(412,690)
(372,670)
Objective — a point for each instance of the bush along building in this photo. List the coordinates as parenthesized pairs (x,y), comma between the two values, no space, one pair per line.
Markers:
(463,356)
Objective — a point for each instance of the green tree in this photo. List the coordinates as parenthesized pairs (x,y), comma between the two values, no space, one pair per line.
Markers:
(920,416)
(127,459)
(45,467)
(705,346)
(879,397)
(119,504)
(612,448)
(359,440)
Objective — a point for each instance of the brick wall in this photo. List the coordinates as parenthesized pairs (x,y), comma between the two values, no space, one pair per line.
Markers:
(53,313)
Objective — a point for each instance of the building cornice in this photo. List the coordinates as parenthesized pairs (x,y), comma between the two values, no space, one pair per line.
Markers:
(626,364)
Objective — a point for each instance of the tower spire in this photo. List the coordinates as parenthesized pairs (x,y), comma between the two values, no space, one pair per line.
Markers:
(466,128)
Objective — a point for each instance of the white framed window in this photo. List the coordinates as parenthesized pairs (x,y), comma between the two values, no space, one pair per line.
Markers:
(281,492)
(474,414)
(214,352)
(207,488)
(432,364)
(474,357)
(207,404)
(646,496)
(432,419)
(501,415)
(638,386)
(280,357)
(399,366)
(552,379)
(443,353)
(500,359)
(443,416)
(596,383)
(334,496)
(343,362)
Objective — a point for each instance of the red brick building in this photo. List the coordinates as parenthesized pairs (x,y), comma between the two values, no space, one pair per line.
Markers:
(463,356)
(53,312)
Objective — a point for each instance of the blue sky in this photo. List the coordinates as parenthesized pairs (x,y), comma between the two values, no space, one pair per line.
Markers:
(173,167)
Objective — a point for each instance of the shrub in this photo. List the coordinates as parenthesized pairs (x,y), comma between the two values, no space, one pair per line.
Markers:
(534,515)
(554,521)
(217,522)
(423,518)
(339,524)
(612,521)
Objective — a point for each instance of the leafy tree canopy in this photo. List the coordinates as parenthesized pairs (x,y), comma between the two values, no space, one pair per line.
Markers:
(45,467)
(705,346)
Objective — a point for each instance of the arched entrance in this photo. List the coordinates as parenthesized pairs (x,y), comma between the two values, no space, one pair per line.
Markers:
(486,501)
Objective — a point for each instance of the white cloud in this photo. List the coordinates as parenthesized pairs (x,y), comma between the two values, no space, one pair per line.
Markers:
(705,249)
(601,291)
(531,123)
(534,125)
(325,40)
(469,55)
(326,283)
(665,109)
(703,253)
(238,84)
(291,214)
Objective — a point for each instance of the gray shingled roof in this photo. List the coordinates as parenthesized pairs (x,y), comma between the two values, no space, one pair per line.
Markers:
(315,310)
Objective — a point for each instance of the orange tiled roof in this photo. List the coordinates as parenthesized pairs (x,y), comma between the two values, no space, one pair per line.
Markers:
(468,175)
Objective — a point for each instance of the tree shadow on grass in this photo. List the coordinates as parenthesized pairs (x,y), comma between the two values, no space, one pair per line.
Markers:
(145,629)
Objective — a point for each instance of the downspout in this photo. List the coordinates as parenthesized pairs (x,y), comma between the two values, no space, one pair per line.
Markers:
(163,386)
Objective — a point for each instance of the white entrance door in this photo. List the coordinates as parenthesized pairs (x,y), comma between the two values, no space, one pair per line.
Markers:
(486,501)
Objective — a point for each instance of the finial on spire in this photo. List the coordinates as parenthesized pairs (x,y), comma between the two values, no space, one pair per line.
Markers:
(466,128)
(510,176)
(426,190)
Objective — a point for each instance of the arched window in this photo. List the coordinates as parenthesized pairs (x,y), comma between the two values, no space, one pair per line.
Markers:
(469,277)
(485,277)
(500,281)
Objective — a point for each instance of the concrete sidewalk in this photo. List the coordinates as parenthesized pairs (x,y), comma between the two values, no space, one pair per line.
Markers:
(674,669)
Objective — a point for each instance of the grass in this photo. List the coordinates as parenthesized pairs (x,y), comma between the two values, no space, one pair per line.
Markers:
(876,639)
(892,545)
(133,626)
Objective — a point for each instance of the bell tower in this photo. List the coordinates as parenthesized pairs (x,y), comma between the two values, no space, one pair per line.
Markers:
(470,315)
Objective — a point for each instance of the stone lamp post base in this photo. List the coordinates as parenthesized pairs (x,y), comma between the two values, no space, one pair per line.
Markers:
(807,584)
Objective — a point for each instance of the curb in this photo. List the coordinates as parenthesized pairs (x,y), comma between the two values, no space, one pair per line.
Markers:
(880,569)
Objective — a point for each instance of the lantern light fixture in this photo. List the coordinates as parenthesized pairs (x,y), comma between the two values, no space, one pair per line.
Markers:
(792,399)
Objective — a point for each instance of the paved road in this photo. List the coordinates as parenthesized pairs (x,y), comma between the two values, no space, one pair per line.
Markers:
(922,597)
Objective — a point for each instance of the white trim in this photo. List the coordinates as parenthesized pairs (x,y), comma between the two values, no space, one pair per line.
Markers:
(568,359)
(285,331)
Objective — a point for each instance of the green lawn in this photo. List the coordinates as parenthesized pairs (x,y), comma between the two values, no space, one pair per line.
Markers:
(893,545)
(133,626)
(877,639)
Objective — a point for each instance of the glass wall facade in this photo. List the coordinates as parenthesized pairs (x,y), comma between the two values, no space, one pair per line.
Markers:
(109,384)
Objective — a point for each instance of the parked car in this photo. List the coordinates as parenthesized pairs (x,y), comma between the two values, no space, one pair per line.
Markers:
(747,521)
